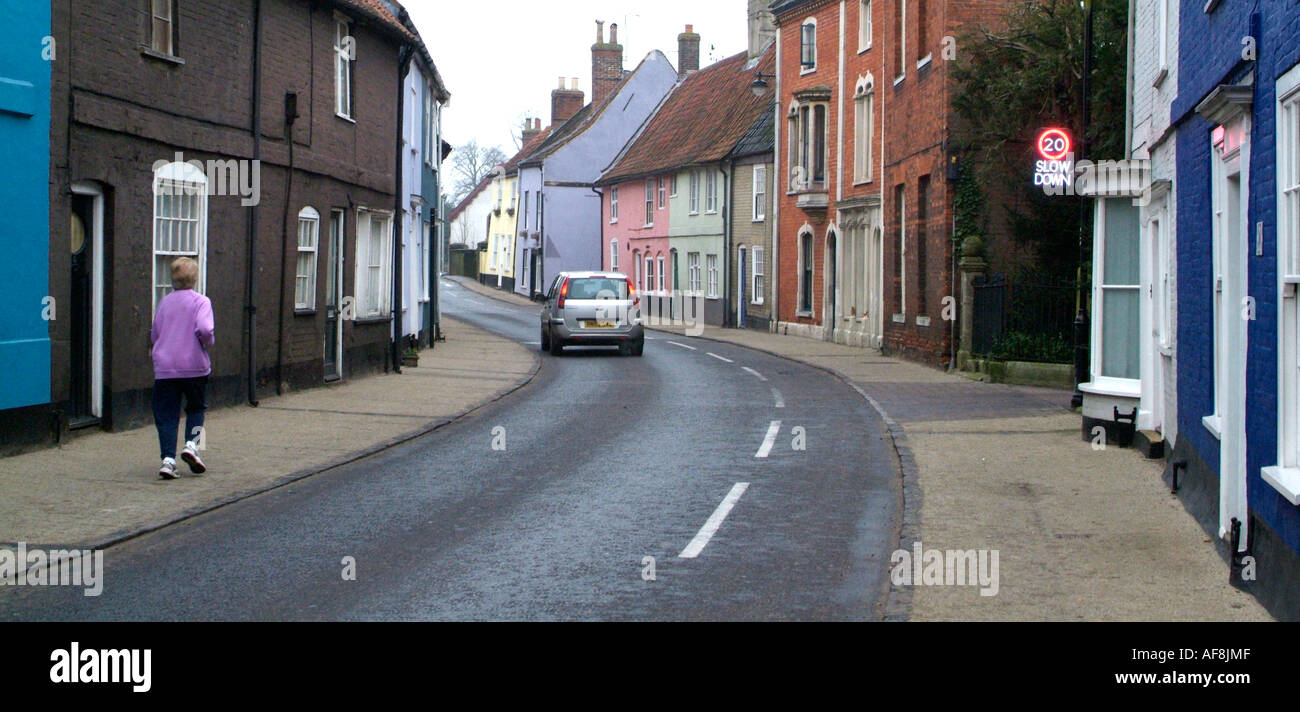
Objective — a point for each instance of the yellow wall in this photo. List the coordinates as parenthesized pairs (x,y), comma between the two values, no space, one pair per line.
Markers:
(501,228)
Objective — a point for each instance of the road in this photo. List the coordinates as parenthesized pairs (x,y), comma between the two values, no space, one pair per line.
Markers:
(668,487)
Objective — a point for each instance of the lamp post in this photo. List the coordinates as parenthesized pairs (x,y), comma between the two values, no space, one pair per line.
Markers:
(1081,324)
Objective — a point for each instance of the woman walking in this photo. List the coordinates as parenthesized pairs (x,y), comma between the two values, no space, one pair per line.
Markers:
(182,334)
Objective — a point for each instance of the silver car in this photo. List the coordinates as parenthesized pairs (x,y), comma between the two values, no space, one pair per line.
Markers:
(592,309)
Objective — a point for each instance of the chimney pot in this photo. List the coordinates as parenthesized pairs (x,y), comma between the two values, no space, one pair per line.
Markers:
(613,33)
(561,82)
(600,31)
(573,83)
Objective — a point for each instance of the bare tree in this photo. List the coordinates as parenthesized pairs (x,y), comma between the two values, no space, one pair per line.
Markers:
(471,163)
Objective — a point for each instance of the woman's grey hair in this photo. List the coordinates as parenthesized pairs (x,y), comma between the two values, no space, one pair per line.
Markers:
(185,273)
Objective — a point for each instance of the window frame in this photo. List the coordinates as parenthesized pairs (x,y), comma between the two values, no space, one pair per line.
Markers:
(659,259)
(710,192)
(757,273)
(613,254)
(1284,476)
(182,179)
(370,278)
(649,202)
(694,282)
(695,193)
(714,277)
(173,36)
(866,28)
(900,40)
(308,218)
(758,194)
(864,124)
(922,33)
(661,192)
(613,205)
(344,74)
(806,48)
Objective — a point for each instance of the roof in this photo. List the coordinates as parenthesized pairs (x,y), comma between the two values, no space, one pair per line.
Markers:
(580,121)
(465,203)
(404,17)
(513,164)
(760,138)
(702,120)
(383,17)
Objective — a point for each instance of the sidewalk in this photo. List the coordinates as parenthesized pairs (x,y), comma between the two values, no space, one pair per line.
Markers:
(102,488)
(1081,534)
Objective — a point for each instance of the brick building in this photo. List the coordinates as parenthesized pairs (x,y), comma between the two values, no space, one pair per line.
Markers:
(864,246)
(257,136)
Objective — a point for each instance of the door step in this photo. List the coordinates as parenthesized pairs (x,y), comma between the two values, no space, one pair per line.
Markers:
(1150,443)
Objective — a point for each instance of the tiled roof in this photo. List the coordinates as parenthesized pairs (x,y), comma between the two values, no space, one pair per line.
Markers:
(702,120)
(760,138)
(513,164)
(375,10)
(465,203)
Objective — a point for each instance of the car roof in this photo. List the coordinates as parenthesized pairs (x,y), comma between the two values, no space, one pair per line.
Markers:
(584,275)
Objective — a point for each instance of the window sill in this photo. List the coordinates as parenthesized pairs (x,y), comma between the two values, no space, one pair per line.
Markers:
(348,119)
(161,56)
(1113,387)
(864,49)
(922,321)
(1214,424)
(372,320)
(757,303)
(806,71)
(923,61)
(900,318)
(1286,480)
(304,312)
(759,220)
(899,79)
(1160,78)
(868,181)
(803,314)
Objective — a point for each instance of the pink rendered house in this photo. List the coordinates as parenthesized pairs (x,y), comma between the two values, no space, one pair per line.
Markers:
(634,217)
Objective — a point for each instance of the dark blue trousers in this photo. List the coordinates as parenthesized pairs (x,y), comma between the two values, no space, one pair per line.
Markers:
(167,395)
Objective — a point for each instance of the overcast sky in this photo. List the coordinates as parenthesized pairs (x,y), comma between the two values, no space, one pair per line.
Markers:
(500,59)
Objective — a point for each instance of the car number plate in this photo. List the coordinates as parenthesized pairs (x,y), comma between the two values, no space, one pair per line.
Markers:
(590,324)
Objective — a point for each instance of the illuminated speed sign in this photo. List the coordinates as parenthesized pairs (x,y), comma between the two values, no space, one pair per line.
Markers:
(1054,144)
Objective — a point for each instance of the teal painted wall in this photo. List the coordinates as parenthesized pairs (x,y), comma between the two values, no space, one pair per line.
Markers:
(25,61)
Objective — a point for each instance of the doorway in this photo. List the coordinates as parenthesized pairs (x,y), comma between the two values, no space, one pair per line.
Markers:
(741,282)
(830,316)
(334,307)
(86,308)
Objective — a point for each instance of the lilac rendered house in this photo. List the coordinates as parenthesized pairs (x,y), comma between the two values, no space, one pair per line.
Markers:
(560,228)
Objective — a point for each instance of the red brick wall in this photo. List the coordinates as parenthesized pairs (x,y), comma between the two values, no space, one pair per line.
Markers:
(793,218)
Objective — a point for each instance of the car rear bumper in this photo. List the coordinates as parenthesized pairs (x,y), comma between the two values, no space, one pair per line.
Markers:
(580,337)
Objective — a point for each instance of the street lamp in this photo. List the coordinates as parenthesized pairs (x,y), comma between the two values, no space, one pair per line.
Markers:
(760,85)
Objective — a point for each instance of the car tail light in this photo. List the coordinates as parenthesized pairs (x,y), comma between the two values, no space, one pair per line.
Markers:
(564,293)
(631,292)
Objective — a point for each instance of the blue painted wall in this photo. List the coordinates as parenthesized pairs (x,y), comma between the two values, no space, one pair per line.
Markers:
(24,193)
(1214,58)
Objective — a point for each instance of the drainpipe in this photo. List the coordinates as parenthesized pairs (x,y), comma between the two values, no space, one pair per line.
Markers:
(290,115)
(399,209)
(728,316)
(250,283)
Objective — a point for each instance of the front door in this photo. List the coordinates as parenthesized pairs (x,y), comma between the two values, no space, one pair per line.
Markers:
(831,317)
(333,300)
(86,238)
(1230,326)
(741,282)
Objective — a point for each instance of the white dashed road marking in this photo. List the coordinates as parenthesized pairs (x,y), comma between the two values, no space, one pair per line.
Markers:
(751,371)
(766,448)
(720,358)
(710,527)
(780,402)
(692,348)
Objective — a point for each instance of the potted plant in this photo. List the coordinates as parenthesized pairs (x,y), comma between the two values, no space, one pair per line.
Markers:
(410,357)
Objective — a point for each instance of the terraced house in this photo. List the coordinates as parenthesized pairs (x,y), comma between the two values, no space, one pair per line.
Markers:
(558,177)
(865,209)
(258,137)
(667,198)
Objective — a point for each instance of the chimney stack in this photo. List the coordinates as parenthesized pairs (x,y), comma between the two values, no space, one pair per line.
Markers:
(530,131)
(565,102)
(762,28)
(688,52)
(606,63)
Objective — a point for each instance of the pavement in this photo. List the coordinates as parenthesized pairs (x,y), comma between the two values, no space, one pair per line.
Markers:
(102,488)
(1082,534)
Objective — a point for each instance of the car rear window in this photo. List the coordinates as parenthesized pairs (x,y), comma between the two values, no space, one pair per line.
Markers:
(597,288)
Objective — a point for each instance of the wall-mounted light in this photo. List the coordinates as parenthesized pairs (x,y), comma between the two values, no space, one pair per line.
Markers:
(760,85)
